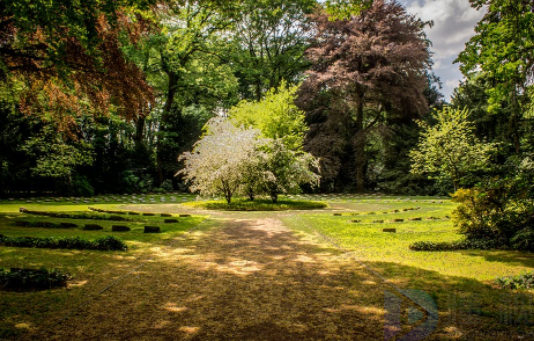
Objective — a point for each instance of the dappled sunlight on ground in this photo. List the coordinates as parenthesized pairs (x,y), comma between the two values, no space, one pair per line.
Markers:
(249,280)
(248,277)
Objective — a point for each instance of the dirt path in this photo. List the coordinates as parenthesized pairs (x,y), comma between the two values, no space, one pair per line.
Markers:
(240,280)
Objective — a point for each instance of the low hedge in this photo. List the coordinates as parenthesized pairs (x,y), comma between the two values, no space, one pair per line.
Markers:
(45,224)
(108,243)
(32,279)
(257,205)
(87,215)
(465,244)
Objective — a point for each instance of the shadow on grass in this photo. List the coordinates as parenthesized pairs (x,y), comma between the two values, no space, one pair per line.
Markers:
(511,257)
(255,280)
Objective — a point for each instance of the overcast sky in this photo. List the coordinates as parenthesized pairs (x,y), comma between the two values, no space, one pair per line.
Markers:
(454,23)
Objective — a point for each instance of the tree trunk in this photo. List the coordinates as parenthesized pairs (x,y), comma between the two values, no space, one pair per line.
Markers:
(164,119)
(514,122)
(360,147)
(139,131)
(274,196)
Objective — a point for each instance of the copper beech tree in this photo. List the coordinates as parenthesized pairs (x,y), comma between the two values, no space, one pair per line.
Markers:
(65,57)
(374,66)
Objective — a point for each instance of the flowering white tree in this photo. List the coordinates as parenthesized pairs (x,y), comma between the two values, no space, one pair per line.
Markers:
(216,164)
(229,159)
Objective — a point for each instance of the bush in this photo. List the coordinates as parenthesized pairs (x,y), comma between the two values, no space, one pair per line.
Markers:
(108,243)
(501,208)
(31,279)
(523,281)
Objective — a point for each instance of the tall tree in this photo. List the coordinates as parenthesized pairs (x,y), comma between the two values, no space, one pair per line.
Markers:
(182,63)
(374,67)
(501,54)
(65,57)
(270,40)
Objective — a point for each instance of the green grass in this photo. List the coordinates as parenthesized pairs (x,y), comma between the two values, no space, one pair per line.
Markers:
(369,243)
(257,205)
(92,270)
(470,274)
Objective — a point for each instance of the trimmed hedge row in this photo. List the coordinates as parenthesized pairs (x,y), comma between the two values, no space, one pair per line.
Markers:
(108,243)
(45,224)
(32,279)
(74,216)
(465,244)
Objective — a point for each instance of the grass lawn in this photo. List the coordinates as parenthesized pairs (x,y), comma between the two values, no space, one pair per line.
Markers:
(460,282)
(466,275)
(93,270)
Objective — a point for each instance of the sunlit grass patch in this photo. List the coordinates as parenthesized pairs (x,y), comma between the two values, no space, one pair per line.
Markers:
(361,234)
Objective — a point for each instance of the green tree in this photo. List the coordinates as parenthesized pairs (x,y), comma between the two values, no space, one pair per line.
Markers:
(450,147)
(182,64)
(276,116)
(502,54)
(283,170)
(270,38)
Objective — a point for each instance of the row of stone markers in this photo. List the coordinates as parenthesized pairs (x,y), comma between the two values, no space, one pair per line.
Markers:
(125,199)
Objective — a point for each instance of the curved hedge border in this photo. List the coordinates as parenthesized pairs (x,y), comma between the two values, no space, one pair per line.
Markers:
(108,243)
(257,205)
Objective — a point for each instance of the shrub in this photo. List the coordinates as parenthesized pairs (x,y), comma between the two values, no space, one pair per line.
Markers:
(108,243)
(501,208)
(523,281)
(32,279)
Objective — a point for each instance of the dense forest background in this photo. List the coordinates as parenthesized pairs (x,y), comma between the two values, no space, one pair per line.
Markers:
(105,95)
